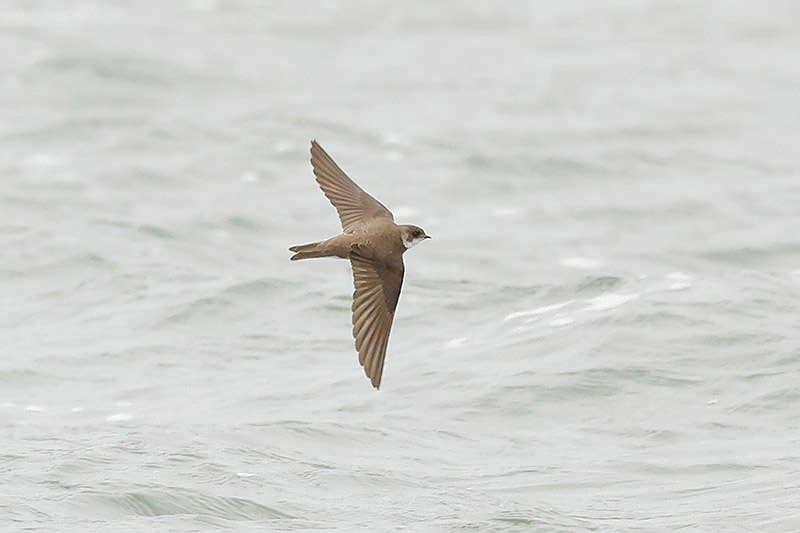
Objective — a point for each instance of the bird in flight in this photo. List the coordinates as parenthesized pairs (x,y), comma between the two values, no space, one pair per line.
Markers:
(375,245)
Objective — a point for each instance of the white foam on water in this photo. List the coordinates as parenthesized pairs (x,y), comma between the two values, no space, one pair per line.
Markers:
(681,281)
(506,211)
(454,343)
(405,211)
(391,137)
(561,321)
(35,409)
(536,311)
(119,417)
(393,155)
(580,263)
(281,147)
(244,474)
(43,160)
(678,276)
(248,176)
(609,301)
(76,410)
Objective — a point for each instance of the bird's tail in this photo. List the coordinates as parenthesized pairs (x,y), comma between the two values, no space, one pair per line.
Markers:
(308,251)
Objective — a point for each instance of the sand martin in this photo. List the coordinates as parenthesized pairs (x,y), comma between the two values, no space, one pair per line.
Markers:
(375,245)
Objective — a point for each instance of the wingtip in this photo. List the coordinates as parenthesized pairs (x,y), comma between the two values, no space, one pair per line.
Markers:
(374,380)
(315,150)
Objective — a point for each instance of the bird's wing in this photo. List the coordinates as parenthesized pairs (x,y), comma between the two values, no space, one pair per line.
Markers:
(350,200)
(377,289)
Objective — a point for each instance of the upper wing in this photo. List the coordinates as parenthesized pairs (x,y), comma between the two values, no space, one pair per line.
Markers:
(350,200)
(377,289)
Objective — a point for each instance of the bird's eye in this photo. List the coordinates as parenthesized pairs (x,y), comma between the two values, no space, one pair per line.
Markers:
(416,234)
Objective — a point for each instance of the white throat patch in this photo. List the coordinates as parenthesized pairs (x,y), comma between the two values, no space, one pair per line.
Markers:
(413,242)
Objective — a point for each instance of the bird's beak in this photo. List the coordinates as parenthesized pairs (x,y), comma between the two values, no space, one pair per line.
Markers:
(427,236)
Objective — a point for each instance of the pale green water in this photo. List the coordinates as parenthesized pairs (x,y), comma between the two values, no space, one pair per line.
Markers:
(602,335)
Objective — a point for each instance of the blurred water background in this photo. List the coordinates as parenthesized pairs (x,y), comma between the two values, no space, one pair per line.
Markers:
(602,334)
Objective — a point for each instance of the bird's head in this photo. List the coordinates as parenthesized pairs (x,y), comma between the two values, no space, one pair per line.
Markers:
(412,235)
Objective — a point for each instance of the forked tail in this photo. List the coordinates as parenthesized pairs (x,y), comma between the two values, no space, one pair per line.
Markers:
(307,251)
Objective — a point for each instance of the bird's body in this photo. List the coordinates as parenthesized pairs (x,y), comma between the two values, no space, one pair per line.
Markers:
(376,238)
(375,246)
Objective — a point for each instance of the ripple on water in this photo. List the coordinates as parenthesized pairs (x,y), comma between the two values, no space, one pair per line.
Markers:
(176,501)
(599,283)
(225,300)
(537,311)
(580,263)
(151,230)
(605,302)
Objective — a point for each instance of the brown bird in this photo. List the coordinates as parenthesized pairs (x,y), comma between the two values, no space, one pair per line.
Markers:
(375,245)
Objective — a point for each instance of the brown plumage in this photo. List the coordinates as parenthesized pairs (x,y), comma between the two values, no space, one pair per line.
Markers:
(375,246)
